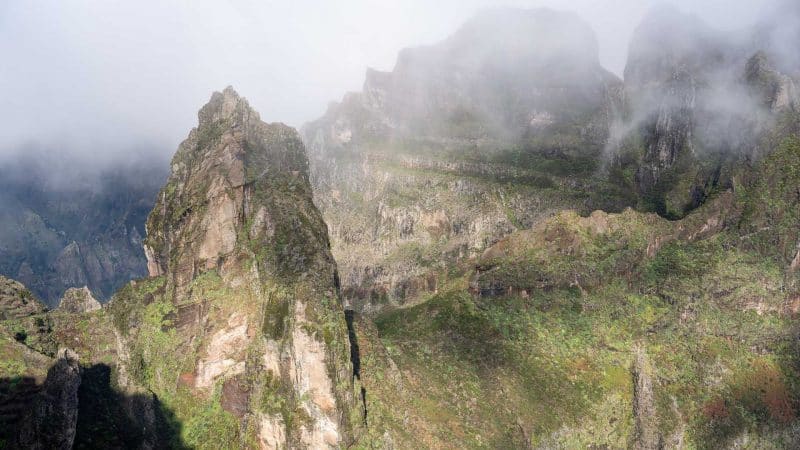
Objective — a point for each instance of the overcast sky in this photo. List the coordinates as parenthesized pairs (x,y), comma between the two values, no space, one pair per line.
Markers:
(105,77)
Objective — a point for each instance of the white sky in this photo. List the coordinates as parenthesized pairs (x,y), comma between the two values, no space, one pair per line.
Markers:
(106,76)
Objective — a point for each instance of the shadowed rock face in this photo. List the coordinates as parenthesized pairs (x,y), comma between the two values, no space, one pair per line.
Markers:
(698,102)
(52,418)
(78,300)
(50,397)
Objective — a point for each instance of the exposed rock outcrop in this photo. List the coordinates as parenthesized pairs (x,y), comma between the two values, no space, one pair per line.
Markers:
(78,300)
(647,435)
(52,419)
(246,282)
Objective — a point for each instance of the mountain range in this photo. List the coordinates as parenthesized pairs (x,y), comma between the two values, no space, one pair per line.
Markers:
(497,244)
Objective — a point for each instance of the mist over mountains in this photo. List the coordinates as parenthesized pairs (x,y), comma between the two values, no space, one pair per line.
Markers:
(497,243)
(502,78)
(132,79)
(66,226)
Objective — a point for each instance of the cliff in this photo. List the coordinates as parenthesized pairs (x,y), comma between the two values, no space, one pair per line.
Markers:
(465,141)
(241,323)
(697,104)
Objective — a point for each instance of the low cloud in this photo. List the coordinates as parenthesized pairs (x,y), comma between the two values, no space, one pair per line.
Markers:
(105,81)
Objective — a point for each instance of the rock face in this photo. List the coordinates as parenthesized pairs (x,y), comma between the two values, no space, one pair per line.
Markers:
(52,419)
(247,289)
(83,229)
(209,196)
(77,300)
(16,301)
(697,102)
(462,143)
(647,436)
(777,91)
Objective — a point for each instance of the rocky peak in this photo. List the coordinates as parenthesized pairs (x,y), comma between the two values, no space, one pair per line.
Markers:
(244,256)
(226,105)
(491,79)
(208,198)
(78,300)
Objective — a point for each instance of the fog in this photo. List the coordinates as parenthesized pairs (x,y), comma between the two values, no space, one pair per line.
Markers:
(111,80)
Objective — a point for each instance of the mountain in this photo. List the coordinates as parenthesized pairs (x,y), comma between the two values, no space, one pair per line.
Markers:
(237,335)
(246,317)
(697,103)
(494,308)
(465,141)
(62,226)
(503,75)
(587,263)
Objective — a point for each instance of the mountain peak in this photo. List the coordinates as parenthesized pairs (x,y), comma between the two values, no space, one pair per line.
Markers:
(229,152)
(78,300)
(227,105)
(235,230)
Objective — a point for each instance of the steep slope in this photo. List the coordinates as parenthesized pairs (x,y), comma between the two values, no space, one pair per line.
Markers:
(697,102)
(17,301)
(38,386)
(63,225)
(608,331)
(238,337)
(240,328)
(563,329)
(463,142)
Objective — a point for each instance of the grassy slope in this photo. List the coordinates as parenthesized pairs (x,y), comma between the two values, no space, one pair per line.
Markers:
(549,360)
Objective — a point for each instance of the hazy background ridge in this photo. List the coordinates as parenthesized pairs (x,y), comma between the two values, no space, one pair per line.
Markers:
(109,79)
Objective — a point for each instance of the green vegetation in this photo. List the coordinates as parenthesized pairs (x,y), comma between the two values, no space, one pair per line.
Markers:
(771,219)
(546,351)
(207,425)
